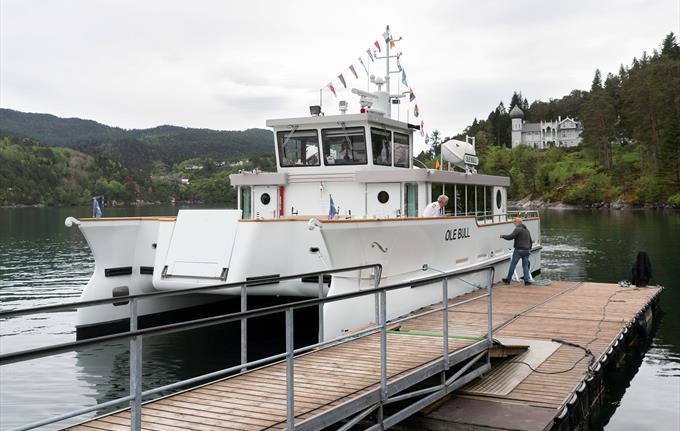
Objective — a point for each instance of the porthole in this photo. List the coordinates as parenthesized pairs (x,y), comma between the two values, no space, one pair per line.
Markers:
(265,198)
(383,197)
(499,199)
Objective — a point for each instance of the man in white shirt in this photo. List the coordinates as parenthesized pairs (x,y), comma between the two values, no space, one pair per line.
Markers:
(436,209)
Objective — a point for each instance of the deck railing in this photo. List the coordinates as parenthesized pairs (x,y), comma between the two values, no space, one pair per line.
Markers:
(135,336)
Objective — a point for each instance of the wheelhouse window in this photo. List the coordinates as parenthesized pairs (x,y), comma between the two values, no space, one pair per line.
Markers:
(344,146)
(381,142)
(401,150)
(298,148)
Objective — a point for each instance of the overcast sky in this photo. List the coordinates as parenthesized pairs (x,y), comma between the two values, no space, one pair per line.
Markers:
(232,65)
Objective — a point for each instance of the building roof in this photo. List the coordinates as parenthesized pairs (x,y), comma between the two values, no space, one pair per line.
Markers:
(531,127)
(515,112)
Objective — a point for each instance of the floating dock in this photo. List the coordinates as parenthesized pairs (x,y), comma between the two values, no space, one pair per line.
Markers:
(564,388)
(543,377)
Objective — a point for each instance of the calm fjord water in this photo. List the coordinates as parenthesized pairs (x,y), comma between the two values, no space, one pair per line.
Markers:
(43,262)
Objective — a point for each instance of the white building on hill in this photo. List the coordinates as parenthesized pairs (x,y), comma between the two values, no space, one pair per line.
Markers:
(561,133)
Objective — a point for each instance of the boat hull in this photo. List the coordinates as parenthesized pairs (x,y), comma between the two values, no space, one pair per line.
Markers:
(129,259)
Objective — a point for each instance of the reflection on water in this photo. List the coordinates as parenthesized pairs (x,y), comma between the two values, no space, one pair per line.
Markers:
(42,262)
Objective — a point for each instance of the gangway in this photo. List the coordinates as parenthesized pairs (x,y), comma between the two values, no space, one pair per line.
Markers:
(373,373)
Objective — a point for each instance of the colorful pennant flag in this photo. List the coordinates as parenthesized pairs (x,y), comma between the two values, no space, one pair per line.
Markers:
(377,45)
(364,66)
(437,166)
(387,36)
(368,51)
(351,68)
(391,42)
(330,87)
(398,62)
(403,78)
(422,128)
(411,95)
(416,111)
(342,79)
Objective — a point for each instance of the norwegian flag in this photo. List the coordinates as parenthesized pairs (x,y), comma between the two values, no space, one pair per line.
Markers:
(330,87)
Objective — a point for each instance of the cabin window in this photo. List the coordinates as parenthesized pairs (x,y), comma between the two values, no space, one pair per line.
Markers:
(383,197)
(298,148)
(411,199)
(471,200)
(246,203)
(402,151)
(381,142)
(344,146)
(499,199)
(479,195)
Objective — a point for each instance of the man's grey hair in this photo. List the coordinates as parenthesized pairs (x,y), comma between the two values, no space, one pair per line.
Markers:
(443,197)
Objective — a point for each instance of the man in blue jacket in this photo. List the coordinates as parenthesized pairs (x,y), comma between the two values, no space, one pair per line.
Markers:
(522,244)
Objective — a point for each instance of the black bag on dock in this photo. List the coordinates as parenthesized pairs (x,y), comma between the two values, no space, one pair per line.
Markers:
(642,269)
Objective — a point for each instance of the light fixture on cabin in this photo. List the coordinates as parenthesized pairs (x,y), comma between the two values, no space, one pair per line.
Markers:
(315,110)
(342,105)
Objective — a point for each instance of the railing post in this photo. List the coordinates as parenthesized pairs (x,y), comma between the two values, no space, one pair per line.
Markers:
(244,327)
(490,316)
(445,322)
(135,371)
(376,283)
(321,309)
(383,353)
(290,373)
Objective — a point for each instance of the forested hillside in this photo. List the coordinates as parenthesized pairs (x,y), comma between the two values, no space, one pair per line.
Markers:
(32,173)
(631,140)
(137,147)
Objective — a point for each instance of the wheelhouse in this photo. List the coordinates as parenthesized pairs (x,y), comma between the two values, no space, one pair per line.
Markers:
(362,166)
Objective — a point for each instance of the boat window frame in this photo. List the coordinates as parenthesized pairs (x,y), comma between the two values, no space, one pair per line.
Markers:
(390,144)
(292,132)
(408,149)
(326,148)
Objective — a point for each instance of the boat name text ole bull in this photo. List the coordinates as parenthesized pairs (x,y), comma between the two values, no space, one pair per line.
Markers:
(459,233)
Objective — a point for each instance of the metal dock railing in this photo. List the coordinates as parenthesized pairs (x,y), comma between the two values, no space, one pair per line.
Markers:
(406,362)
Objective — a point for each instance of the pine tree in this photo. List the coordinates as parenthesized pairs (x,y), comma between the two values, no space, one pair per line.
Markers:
(597,80)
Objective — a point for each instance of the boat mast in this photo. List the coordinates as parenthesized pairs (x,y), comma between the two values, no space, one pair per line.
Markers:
(387,72)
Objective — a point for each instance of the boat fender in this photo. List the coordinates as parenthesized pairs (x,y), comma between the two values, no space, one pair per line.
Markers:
(314,223)
(563,414)
(581,387)
(70,221)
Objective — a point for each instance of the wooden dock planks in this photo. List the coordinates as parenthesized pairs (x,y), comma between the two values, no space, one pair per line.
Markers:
(586,313)
(256,400)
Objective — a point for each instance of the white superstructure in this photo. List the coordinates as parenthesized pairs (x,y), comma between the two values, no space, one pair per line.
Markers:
(345,193)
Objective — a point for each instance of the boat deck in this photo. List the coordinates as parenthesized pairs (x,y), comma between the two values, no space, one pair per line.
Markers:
(328,381)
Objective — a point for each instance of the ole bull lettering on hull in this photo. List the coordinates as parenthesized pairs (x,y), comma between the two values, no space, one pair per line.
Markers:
(457,233)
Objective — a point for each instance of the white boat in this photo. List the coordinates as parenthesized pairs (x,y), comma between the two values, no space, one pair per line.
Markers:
(361,164)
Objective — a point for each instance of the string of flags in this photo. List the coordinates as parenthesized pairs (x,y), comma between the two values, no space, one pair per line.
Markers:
(388,40)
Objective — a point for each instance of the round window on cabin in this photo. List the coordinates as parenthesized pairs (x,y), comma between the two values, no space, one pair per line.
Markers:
(499,199)
(383,197)
(265,198)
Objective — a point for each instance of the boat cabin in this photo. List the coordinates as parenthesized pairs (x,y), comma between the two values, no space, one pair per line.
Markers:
(362,165)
